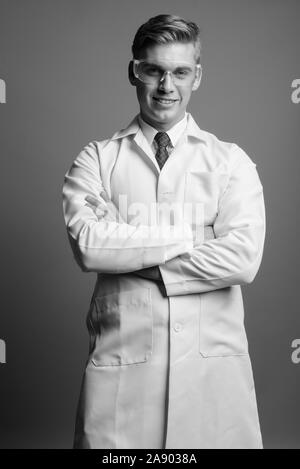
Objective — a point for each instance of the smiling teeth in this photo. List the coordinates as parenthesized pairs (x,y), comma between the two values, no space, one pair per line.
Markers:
(166,100)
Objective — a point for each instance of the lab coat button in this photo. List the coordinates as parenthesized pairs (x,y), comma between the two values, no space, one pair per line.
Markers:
(177,327)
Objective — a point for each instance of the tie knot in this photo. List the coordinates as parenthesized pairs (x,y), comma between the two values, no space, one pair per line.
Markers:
(162,139)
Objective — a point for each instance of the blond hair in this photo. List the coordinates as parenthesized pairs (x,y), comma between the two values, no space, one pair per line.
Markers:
(165,29)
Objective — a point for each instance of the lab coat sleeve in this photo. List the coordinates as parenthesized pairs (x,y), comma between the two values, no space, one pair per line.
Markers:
(233,257)
(112,246)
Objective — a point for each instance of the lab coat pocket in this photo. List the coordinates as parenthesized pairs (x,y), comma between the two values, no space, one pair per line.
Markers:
(221,326)
(124,324)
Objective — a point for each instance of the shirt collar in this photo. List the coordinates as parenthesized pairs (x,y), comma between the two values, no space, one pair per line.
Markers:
(191,129)
(174,133)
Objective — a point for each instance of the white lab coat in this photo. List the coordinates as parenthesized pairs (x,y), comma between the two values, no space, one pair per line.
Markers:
(167,369)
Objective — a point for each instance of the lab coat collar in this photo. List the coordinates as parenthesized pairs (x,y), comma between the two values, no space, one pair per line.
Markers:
(174,133)
(192,130)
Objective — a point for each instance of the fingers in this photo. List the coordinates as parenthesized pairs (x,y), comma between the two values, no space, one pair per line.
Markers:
(94,201)
(201,234)
(106,208)
(100,211)
(98,208)
(104,196)
(112,209)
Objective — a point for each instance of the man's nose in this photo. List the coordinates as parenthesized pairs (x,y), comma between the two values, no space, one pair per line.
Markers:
(166,82)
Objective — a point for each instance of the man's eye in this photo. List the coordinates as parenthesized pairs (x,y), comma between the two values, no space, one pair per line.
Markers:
(151,70)
(181,73)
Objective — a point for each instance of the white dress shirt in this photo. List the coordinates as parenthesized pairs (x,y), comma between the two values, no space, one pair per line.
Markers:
(174,133)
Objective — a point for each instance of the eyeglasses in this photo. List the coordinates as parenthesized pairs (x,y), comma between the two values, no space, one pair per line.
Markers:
(183,73)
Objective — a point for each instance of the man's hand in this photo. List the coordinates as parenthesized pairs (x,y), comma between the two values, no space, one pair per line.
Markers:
(151,273)
(105,208)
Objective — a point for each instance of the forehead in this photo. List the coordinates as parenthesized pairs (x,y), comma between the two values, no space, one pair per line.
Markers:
(170,53)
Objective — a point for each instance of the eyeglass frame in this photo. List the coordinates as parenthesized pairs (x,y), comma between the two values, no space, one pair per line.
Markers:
(197,66)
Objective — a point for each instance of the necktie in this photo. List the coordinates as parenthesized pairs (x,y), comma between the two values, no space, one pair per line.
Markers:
(163,140)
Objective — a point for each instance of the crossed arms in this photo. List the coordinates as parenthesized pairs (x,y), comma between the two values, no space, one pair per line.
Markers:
(103,243)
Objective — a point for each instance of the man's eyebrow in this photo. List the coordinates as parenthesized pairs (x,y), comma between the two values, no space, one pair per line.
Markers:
(185,67)
(178,66)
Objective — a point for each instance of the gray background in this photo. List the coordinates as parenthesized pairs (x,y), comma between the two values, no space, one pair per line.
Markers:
(65,66)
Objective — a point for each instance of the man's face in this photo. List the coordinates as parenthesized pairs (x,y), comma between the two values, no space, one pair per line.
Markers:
(163,115)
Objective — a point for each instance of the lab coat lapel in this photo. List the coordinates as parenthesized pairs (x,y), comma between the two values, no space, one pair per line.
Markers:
(143,145)
(140,140)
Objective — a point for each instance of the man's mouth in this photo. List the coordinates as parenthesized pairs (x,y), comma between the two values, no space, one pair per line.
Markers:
(164,100)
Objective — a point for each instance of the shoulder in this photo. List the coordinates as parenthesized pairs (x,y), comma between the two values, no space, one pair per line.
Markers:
(233,160)
(220,153)
(114,140)
(93,149)
(226,153)
(95,146)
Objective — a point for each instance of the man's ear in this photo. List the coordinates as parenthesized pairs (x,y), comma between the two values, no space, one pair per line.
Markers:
(197,80)
(131,76)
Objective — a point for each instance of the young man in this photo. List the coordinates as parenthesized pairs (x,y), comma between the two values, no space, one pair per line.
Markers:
(168,365)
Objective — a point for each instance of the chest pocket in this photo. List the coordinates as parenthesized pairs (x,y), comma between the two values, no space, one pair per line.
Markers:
(205,188)
(121,328)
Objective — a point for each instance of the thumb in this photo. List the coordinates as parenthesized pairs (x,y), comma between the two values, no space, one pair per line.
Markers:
(104,196)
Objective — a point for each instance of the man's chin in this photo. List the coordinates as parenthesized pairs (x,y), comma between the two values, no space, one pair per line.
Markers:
(164,115)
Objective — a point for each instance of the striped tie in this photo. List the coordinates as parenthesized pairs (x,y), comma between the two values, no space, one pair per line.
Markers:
(162,139)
